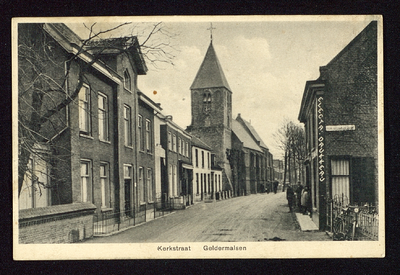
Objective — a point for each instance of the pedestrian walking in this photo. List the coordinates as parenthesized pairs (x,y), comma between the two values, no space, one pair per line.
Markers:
(290,197)
(305,197)
(276,186)
(298,191)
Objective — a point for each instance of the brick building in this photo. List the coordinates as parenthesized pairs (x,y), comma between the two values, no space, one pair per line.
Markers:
(177,186)
(339,111)
(91,142)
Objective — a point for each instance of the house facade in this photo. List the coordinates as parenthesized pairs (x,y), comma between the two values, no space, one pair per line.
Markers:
(177,186)
(206,172)
(339,112)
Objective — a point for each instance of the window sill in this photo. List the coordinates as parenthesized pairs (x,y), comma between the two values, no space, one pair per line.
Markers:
(105,141)
(129,147)
(85,136)
(142,203)
(127,90)
(150,202)
(106,209)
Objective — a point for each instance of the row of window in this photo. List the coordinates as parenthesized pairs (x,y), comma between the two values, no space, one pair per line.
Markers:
(85,118)
(178,145)
(196,152)
(87,183)
(103,120)
(203,183)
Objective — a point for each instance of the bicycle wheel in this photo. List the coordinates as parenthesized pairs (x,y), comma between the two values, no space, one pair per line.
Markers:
(337,229)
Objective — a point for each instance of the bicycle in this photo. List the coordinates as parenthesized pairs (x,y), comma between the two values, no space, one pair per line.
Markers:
(343,231)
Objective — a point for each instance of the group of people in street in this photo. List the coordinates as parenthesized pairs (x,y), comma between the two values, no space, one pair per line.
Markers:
(274,185)
(299,198)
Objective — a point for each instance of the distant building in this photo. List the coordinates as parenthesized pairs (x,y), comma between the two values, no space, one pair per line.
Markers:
(339,111)
(278,169)
(177,186)
(206,174)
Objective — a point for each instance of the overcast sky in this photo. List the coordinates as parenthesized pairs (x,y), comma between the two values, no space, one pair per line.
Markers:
(266,61)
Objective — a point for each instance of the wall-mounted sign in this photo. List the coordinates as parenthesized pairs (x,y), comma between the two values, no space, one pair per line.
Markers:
(321,140)
(333,128)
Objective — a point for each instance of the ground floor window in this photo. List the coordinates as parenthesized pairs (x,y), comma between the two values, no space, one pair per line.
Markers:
(86,181)
(141,186)
(35,192)
(175,181)
(170,183)
(197,183)
(149,185)
(104,184)
(340,179)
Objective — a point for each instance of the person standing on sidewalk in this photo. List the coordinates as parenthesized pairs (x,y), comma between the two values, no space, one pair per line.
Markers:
(305,197)
(299,190)
(290,197)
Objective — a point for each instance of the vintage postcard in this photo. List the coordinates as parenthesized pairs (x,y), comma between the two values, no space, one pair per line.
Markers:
(198,137)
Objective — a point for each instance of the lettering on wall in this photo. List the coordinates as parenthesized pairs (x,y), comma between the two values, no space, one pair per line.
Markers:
(321,140)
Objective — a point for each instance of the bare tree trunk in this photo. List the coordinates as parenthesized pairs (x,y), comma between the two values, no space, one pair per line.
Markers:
(285,170)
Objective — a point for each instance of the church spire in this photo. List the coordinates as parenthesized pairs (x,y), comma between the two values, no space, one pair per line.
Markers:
(210,74)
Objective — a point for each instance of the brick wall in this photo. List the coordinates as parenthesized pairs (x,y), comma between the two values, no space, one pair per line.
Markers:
(56,224)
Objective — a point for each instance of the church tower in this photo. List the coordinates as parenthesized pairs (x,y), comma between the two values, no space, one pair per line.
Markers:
(211,99)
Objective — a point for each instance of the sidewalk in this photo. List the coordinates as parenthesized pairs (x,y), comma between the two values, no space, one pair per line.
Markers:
(305,222)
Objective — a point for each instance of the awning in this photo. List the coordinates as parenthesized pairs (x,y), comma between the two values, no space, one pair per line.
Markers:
(187,166)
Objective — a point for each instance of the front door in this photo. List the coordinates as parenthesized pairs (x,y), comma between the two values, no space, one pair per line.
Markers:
(128,183)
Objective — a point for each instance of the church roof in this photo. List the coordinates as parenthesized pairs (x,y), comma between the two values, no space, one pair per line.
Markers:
(210,74)
(244,136)
(254,133)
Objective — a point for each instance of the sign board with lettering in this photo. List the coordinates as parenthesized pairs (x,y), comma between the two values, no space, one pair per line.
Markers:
(334,128)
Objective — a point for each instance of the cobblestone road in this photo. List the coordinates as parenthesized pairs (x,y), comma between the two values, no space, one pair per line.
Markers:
(260,217)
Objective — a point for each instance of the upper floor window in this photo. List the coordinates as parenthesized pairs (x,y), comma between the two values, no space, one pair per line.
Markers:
(187,149)
(127,125)
(140,134)
(179,145)
(103,117)
(148,135)
(174,143)
(127,80)
(197,157)
(202,159)
(84,110)
(169,141)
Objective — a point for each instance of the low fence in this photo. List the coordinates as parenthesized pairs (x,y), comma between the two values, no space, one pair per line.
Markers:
(108,222)
(352,222)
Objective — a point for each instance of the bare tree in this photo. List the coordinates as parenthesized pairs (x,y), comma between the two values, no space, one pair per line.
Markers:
(291,139)
(43,93)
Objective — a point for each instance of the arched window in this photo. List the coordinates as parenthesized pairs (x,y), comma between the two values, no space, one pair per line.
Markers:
(207,102)
(127,80)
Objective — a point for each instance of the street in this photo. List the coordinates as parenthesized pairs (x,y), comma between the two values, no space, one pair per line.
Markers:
(254,218)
